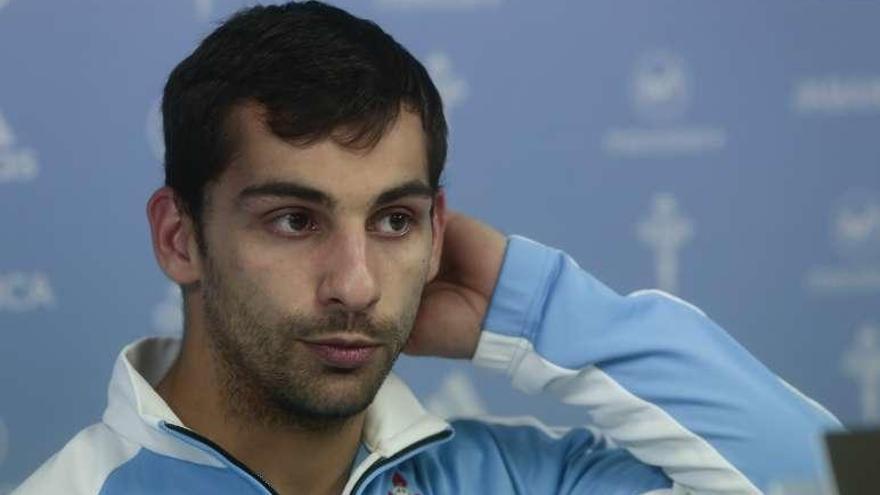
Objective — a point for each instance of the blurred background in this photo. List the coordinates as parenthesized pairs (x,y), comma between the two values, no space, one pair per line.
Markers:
(726,152)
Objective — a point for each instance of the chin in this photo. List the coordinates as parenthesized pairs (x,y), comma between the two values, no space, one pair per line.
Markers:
(336,395)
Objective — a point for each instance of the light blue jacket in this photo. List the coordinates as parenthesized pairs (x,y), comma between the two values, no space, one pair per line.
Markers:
(672,404)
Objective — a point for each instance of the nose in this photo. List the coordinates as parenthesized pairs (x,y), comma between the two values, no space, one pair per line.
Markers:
(348,283)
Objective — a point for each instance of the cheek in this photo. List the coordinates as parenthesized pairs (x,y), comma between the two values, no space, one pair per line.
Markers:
(279,276)
(403,273)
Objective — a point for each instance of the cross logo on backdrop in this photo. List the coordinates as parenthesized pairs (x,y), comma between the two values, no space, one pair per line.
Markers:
(665,231)
(16,164)
(862,363)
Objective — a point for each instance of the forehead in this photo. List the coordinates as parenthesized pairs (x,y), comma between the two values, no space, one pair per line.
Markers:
(348,175)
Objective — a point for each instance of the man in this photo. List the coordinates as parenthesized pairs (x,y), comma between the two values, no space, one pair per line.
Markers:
(304,219)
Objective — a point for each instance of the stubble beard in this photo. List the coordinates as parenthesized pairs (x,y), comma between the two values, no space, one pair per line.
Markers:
(267,377)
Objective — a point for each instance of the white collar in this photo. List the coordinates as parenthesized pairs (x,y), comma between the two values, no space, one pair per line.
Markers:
(394,421)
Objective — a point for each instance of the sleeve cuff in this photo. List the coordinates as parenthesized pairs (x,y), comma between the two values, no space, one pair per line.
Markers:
(496,352)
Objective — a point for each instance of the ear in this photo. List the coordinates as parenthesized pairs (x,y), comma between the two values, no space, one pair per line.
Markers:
(438,228)
(174,238)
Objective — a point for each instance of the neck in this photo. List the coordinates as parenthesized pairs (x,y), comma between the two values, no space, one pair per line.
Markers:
(316,458)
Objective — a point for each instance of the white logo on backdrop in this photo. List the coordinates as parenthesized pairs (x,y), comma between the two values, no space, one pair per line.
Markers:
(665,231)
(21,292)
(855,237)
(862,363)
(661,89)
(438,4)
(456,397)
(154,130)
(16,164)
(4,442)
(168,314)
(452,87)
(836,95)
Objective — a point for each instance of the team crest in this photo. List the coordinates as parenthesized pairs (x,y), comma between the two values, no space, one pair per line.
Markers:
(399,486)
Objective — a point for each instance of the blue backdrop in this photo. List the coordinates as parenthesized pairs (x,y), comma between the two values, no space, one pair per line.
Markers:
(724,151)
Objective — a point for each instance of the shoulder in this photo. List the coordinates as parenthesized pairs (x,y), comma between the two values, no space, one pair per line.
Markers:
(518,441)
(83,465)
(540,458)
(510,431)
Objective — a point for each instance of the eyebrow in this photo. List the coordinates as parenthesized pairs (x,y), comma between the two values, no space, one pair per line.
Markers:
(407,189)
(287,189)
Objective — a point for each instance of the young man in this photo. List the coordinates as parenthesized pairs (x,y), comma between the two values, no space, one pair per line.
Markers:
(303,218)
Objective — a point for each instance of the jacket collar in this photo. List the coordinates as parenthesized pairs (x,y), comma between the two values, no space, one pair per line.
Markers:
(394,421)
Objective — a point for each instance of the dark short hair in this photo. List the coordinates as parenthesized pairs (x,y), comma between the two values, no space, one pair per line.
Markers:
(318,72)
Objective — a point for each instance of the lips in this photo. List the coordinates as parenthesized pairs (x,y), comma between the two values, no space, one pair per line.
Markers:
(343,353)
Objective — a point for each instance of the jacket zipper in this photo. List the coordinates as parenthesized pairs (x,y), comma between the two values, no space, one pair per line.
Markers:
(226,455)
(398,456)
(374,469)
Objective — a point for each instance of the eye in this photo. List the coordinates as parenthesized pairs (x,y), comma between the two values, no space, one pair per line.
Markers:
(296,223)
(393,224)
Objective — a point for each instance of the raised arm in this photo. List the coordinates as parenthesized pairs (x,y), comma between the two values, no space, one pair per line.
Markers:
(653,373)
